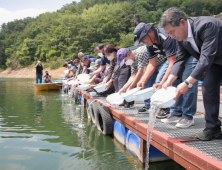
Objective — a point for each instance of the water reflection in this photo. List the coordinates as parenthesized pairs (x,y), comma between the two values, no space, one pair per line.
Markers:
(45,130)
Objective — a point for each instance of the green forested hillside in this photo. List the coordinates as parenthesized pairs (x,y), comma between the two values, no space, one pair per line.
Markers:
(79,26)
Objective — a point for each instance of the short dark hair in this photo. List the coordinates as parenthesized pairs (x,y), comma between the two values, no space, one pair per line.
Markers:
(99,46)
(76,61)
(64,65)
(84,58)
(109,48)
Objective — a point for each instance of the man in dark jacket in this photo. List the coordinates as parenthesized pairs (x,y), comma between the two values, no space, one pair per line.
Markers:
(200,37)
(39,71)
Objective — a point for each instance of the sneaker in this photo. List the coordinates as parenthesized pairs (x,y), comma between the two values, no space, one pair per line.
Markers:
(123,104)
(143,110)
(163,113)
(128,106)
(185,123)
(132,107)
(208,134)
(171,118)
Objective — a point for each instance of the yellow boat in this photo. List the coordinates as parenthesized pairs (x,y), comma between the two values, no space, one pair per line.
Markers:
(48,86)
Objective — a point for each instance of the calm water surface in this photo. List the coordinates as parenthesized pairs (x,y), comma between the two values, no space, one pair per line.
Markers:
(44,130)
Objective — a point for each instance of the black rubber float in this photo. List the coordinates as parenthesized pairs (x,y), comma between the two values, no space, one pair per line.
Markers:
(104,121)
(95,110)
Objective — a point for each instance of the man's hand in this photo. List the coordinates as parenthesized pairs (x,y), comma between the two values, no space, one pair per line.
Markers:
(169,81)
(91,74)
(104,81)
(181,89)
(129,88)
(166,84)
(123,90)
(141,84)
(91,87)
(158,86)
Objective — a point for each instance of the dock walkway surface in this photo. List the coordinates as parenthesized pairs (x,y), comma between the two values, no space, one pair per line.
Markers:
(181,145)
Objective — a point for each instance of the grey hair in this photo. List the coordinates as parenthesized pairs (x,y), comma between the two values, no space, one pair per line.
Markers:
(172,16)
(81,54)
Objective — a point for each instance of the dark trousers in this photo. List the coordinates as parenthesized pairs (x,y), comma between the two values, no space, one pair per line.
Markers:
(211,96)
(38,77)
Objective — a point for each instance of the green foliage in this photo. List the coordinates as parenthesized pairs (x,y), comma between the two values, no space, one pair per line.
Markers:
(126,40)
(80,26)
(54,64)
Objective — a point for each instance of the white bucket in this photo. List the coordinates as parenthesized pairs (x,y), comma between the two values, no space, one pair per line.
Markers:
(115,98)
(144,94)
(83,87)
(128,96)
(83,78)
(100,88)
(92,93)
(165,98)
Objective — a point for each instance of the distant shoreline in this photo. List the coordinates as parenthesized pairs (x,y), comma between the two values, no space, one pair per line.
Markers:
(30,72)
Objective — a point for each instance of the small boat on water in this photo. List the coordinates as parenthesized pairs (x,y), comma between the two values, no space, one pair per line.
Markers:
(55,85)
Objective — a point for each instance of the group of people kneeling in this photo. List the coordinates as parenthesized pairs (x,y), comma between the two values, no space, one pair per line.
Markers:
(178,53)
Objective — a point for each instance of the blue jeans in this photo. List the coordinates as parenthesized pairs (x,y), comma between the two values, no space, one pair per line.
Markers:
(186,105)
(38,77)
(156,78)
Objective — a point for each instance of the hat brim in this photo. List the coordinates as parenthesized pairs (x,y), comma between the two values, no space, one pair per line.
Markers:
(145,31)
(142,35)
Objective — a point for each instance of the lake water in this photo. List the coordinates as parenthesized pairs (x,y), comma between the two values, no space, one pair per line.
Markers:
(44,130)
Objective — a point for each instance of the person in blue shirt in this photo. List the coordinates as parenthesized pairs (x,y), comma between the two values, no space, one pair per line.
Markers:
(81,55)
(69,61)
(86,61)
(103,62)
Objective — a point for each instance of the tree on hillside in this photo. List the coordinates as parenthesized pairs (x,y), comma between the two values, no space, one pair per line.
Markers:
(79,26)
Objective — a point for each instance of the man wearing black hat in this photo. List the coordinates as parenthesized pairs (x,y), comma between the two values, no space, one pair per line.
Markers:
(159,68)
(157,42)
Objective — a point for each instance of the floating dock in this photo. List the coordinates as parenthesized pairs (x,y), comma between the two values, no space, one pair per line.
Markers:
(168,142)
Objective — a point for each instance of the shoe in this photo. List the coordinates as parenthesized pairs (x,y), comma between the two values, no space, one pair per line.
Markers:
(143,110)
(132,107)
(123,104)
(209,134)
(171,118)
(129,106)
(163,113)
(185,123)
